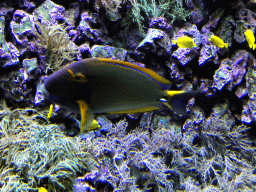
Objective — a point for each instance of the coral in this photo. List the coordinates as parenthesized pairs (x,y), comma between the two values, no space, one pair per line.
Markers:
(111,7)
(213,154)
(127,162)
(35,153)
(217,153)
(58,45)
(141,10)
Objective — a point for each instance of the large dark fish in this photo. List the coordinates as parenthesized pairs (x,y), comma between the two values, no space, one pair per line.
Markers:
(92,86)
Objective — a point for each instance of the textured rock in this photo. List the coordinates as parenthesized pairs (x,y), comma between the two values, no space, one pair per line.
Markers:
(199,13)
(208,54)
(8,52)
(90,29)
(231,71)
(15,89)
(31,69)
(226,30)
(157,42)
(245,20)
(214,20)
(175,73)
(108,52)
(160,23)
(239,60)
(71,15)
(185,55)
(223,75)
(23,30)
(49,12)
(84,51)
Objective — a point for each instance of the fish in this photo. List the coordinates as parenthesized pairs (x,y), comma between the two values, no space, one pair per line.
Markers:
(217,41)
(250,38)
(105,86)
(185,42)
(42,189)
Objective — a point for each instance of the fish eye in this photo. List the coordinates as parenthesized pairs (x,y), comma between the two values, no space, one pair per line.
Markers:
(78,77)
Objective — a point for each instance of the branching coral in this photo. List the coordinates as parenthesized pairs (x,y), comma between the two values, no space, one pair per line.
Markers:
(127,162)
(35,154)
(205,158)
(111,7)
(58,45)
(142,10)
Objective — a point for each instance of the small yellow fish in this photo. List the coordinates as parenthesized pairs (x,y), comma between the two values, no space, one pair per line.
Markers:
(185,42)
(96,86)
(217,41)
(42,189)
(250,38)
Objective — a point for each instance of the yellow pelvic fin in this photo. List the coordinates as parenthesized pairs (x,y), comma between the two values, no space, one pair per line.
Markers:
(226,45)
(50,112)
(86,115)
(95,125)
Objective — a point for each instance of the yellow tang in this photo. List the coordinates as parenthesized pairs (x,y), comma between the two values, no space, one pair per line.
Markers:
(185,42)
(42,189)
(217,41)
(95,86)
(250,38)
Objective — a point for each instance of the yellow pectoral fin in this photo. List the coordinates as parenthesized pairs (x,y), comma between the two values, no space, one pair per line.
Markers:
(86,116)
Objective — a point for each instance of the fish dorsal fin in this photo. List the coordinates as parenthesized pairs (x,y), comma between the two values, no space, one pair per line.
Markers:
(151,74)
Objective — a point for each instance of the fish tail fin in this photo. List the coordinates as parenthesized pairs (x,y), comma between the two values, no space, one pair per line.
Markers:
(226,45)
(174,42)
(178,100)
